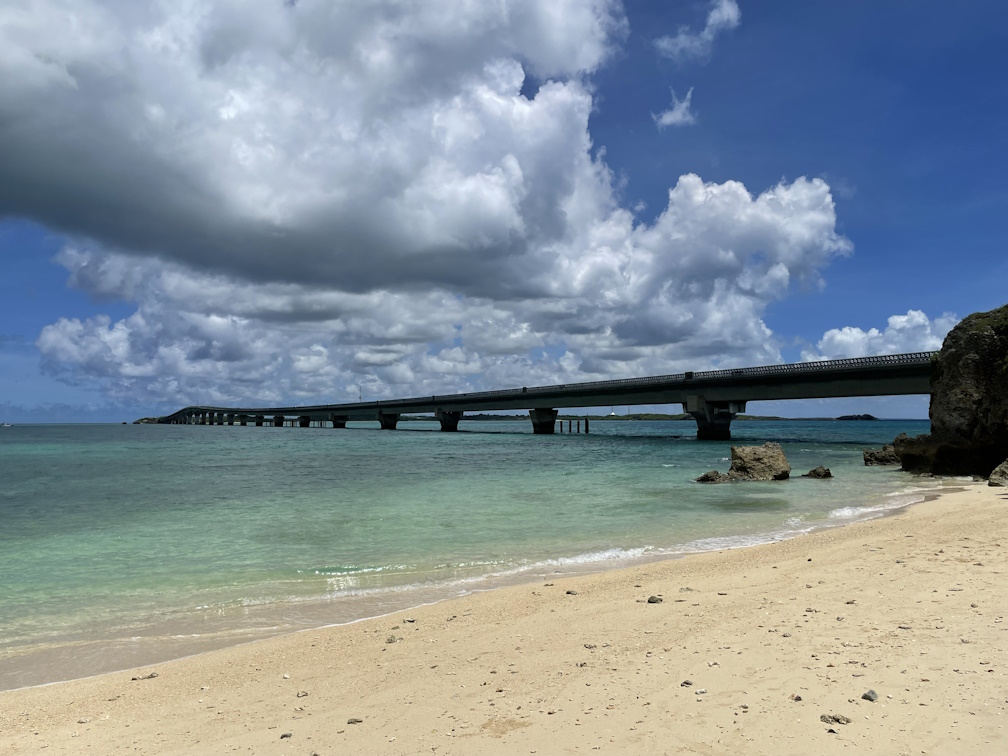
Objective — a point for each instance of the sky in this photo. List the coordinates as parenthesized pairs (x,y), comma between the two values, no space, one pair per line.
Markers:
(299,201)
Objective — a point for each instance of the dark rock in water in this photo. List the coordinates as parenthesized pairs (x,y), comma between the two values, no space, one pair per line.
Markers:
(969,403)
(857,417)
(870,695)
(884,456)
(654,599)
(766,462)
(1000,475)
(820,472)
(713,476)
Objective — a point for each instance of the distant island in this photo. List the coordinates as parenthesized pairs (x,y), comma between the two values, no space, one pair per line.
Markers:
(857,417)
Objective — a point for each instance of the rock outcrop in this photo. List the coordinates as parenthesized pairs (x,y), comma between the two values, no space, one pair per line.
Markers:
(969,402)
(884,456)
(820,473)
(1000,475)
(766,462)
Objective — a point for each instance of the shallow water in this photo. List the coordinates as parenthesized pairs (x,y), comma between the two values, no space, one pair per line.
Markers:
(123,544)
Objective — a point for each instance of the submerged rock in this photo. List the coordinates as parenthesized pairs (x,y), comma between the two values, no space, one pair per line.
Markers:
(969,403)
(884,456)
(820,472)
(1000,475)
(713,476)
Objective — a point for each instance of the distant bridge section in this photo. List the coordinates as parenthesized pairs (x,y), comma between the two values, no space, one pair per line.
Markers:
(712,397)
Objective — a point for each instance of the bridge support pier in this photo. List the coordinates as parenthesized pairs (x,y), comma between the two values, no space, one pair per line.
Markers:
(243,420)
(304,421)
(338,422)
(713,419)
(278,421)
(449,419)
(259,421)
(388,421)
(543,420)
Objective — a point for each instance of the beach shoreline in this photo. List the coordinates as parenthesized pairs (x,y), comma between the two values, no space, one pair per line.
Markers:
(111,651)
(910,606)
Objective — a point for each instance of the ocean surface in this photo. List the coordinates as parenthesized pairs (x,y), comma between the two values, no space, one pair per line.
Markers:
(127,545)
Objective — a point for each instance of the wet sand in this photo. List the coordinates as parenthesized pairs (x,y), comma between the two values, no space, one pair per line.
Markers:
(770,639)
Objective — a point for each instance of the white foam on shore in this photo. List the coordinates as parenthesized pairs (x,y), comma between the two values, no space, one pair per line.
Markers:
(895,501)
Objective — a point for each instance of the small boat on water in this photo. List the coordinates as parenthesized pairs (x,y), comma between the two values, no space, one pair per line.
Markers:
(7,425)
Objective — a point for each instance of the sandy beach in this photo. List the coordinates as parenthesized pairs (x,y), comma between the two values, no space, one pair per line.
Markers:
(747,651)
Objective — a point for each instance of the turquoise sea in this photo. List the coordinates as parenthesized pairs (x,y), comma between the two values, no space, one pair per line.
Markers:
(126,545)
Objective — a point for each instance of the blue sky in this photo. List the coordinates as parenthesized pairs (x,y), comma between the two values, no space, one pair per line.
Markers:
(220,206)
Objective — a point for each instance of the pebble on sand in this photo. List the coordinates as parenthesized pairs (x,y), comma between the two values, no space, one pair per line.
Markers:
(835,719)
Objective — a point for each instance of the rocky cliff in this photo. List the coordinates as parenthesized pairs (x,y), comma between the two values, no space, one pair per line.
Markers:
(969,402)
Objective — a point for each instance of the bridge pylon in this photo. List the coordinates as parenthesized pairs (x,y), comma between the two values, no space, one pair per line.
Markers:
(713,419)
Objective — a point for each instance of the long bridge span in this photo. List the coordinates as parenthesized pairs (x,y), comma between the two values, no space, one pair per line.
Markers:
(712,397)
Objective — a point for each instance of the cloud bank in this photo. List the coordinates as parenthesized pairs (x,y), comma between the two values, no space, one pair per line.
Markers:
(913,332)
(315,197)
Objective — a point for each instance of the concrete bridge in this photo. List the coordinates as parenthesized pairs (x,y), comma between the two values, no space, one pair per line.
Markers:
(712,397)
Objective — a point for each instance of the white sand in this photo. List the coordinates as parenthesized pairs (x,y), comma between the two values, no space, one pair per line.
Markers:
(911,606)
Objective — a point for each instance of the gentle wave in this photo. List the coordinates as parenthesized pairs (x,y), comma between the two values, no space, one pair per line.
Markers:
(895,502)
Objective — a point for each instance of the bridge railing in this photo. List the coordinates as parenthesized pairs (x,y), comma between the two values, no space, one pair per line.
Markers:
(795,368)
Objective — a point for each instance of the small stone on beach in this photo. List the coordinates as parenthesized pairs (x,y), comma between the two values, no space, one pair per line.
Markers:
(870,695)
(835,719)
(354,720)
(654,599)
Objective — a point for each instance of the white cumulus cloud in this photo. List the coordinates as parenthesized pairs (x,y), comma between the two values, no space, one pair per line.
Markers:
(913,332)
(312,197)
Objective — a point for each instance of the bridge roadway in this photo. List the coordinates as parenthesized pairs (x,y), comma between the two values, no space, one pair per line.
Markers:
(712,397)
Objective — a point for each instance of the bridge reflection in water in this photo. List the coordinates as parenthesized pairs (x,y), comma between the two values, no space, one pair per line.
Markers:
(712,397)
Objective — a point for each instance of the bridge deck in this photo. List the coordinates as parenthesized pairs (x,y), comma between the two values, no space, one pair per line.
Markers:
(724,390)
